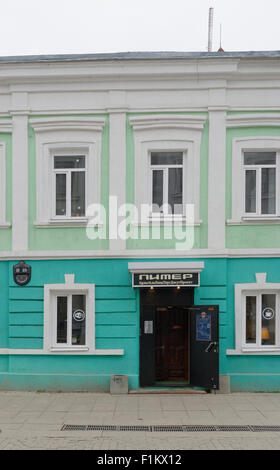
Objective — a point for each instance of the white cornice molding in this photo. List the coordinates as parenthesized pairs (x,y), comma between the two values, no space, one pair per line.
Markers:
(161,121)
(253,120)
(68,123)
(141,254)
(6,125)
(166,267)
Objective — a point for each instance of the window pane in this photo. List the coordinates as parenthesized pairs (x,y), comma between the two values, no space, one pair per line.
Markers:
(268,190)
(61,331)
(166,158)
(78,319)
(268,319)
(157,189)
(250,191)
(60,194)
(77,194)
(250,319)
(175,190)
(69,162)
(259,158)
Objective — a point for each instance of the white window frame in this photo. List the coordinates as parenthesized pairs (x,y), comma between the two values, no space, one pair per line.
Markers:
(251,144)
(51,292)
(258,345)
(258,169)
(165,169)
(70,135)
(168,132)
(68,172)
(50,346)
(68,295)
(241,291)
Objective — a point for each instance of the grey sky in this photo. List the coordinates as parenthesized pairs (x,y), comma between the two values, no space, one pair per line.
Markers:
(91,26)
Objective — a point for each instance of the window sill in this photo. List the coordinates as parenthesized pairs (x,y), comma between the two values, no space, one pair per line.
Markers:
(253,351)
(77,222)
(255,220)
(70,349)
(5,224)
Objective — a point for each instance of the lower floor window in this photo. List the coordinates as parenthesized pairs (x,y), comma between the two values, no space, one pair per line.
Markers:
(71,319)
(261,319)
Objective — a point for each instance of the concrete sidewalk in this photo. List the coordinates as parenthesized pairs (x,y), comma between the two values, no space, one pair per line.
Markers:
(33,420)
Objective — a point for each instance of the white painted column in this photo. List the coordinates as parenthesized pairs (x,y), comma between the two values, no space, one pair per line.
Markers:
(117,169)
(217,178)
(20,182)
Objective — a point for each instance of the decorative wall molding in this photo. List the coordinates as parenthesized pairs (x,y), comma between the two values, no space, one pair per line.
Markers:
(166,267)
(169,121)
(70,287)
(78,123)
(6,126)
(69,135)
(253,120)
(168,133)
(240,290)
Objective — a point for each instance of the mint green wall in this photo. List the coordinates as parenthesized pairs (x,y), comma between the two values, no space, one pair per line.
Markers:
(6,233)
(66,238)
(117,324)
(200,233)
(253,236)
(247,372)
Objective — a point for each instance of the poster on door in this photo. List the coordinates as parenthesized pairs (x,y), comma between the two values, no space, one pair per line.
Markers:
(203,326)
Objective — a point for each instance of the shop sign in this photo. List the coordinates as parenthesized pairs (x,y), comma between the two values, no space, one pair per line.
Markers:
(165,279)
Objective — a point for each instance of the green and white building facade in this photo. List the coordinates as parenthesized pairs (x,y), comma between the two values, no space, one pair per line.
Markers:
(116,168)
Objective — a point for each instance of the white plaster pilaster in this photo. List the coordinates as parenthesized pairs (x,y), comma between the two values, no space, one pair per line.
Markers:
(216,178)
(19,113)
(117,169)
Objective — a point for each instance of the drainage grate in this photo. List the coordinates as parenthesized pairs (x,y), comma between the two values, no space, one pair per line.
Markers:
(166,428)
(265,427)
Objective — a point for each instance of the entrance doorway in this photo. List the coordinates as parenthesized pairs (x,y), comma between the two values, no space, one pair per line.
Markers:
(172,345)
(178,341)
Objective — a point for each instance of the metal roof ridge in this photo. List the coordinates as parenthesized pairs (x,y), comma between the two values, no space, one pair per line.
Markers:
(136,55)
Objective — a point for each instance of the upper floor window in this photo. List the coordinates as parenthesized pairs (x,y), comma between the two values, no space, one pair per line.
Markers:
(167,182)
(167,166)
(70,195)
(260,183)
(255,180)
(68,168)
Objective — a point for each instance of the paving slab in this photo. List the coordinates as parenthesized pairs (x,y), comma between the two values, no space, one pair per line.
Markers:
(31,420)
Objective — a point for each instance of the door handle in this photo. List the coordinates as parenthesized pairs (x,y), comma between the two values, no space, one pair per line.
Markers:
(212,345)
